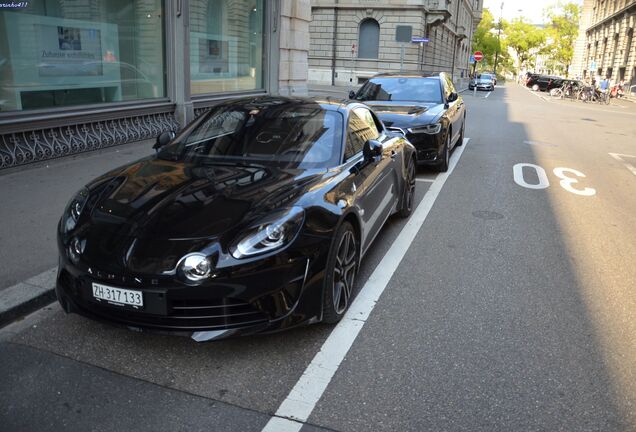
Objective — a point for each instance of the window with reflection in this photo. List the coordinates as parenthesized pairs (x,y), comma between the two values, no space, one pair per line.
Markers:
(57,53)
(226,45)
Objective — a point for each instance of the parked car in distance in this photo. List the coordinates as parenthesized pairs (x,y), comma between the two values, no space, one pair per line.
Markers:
(426,108)
(541,82)
(253,219)
(483,81)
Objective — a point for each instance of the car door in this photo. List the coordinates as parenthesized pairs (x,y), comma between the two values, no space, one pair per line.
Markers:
(374,182)
(455,109)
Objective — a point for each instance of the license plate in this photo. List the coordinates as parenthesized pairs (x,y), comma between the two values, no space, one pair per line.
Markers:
(118,296)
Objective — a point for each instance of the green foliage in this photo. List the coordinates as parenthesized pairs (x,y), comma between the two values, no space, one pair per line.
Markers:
(562,31)
(485,40)
(525,39)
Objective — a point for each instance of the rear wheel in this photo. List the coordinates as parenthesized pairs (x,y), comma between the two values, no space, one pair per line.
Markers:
(342,265)
(535,87)
(409,191)
(460,140)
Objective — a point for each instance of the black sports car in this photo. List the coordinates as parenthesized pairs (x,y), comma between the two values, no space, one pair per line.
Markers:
(254,218)
(424,108)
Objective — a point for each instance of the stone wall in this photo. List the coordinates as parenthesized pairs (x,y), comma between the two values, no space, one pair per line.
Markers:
(448,25)
(295,16)
(610,41)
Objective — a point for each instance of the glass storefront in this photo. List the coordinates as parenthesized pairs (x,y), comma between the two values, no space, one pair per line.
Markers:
(56,53)
(226,45)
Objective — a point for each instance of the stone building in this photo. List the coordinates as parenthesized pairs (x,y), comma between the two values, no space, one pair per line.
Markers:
(606,44)
(352,40)
(79,75)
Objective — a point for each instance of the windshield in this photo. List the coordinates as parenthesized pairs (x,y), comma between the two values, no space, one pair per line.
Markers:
(295,137)
(485,76)
(419,89)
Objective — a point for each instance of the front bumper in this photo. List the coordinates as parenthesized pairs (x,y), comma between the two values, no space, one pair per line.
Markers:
(428,147)
(275,293)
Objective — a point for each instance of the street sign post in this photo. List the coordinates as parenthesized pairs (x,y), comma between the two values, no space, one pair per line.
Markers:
(417,39)
(403,34)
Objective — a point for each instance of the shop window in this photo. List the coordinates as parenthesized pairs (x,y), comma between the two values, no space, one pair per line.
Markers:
(226,46)
(369,39)
(56,53)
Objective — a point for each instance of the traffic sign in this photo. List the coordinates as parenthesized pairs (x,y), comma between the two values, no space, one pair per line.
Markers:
(472,59)
(479,56)
(417,39)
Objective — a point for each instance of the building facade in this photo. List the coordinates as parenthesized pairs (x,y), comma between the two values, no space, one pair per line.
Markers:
(606,45)
(352,40)
(78,75)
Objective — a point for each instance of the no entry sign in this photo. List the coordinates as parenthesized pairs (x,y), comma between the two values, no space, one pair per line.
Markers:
(479,56)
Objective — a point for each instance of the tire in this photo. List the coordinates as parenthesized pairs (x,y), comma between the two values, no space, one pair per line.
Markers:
(443,164)
(409,191)
(535,87)
(342,266)
(460,140)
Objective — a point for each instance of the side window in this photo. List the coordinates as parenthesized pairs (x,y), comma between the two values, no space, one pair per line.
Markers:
(361,128)
(445,88)
(449,84)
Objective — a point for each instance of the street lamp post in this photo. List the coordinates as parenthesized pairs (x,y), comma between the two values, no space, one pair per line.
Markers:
(498,37)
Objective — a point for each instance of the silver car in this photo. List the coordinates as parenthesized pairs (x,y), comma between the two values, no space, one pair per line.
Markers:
(482,81)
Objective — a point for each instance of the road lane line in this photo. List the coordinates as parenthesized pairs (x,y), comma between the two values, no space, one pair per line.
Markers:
(294,411)
(629,166)
(488,94)
(425,180)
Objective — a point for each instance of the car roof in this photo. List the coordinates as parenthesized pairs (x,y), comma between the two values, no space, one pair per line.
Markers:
(407,75)
(328,103)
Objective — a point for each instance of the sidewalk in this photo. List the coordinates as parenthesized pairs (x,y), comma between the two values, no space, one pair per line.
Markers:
(33,198)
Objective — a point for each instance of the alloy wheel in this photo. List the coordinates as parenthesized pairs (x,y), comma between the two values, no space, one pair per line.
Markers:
(344,272)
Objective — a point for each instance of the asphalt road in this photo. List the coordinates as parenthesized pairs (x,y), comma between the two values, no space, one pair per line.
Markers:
(513,308)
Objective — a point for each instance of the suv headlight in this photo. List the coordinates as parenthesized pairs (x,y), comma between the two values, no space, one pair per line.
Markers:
(270,234)
(431,129)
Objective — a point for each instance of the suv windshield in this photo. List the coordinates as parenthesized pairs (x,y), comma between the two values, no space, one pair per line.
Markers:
(419,89)
(295,137)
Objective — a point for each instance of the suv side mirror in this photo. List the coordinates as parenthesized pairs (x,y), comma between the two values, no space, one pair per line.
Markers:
(163,139)
(352,94)
(372,149)
(452,97)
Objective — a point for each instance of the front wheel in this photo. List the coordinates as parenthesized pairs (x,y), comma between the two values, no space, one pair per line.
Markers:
(443,164)
(342,265)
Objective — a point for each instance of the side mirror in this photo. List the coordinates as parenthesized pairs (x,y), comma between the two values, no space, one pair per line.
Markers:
(352,94)
(452,97)
(372,149)
(163,139)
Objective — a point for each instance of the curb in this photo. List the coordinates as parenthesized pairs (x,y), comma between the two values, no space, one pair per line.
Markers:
(28,296)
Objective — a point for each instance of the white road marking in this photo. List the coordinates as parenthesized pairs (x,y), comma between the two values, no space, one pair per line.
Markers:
(517,174)
(425,180)
(540,143)
(619,157)
(567,182)
(488,94)
(301,400)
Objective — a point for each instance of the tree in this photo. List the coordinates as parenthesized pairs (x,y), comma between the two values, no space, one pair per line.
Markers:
(485,38)
(562,31)
(525,39)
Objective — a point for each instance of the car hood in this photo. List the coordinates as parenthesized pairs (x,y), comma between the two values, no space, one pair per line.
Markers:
(406,113)
(146,215)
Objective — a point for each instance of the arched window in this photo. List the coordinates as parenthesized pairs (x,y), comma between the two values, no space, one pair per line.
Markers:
(369,39)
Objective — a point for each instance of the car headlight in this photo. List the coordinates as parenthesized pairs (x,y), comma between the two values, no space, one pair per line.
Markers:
(195,267)
(271,233)
(431,129)
(74,209)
